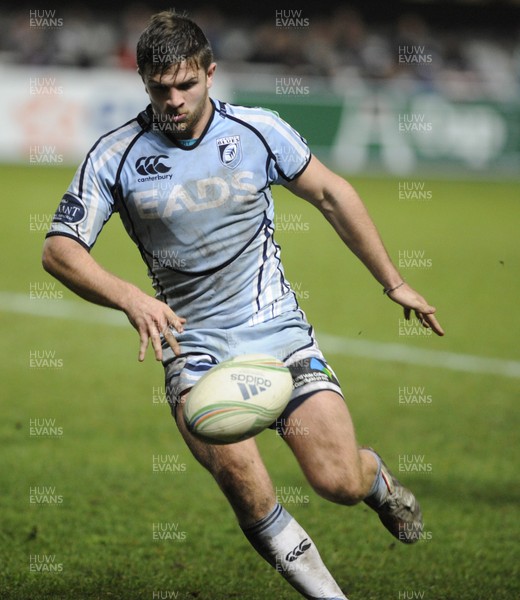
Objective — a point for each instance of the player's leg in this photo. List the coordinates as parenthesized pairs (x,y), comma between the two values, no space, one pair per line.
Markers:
(321,435)
(239,471)
(278,538)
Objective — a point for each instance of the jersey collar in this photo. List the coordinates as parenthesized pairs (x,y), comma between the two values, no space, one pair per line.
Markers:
(145,119)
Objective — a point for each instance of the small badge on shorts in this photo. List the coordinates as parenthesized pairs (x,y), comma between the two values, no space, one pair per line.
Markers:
(311,370)
(230,151)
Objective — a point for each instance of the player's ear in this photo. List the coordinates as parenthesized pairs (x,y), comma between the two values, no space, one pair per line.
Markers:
(209,74)
(143,80)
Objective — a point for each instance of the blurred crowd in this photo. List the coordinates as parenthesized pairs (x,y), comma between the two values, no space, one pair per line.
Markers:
(340,43)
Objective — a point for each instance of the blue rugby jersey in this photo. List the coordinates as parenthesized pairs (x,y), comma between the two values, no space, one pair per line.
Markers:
(201,215)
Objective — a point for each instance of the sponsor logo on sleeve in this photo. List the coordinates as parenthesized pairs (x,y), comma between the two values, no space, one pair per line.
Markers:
(71,210)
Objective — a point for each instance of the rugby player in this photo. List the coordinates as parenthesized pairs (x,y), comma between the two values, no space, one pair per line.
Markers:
(191,179)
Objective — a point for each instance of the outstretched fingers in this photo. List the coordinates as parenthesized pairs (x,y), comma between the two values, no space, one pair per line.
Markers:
(178,325)
(428,320)
(153,331)
(410,300)
(155,321)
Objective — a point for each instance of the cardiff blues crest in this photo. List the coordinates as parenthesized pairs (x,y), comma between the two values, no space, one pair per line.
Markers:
(230,151)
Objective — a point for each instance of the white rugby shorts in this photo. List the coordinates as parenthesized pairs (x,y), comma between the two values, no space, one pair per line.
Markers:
(288,337)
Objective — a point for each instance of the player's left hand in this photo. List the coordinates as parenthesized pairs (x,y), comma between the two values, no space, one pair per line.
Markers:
(410,300)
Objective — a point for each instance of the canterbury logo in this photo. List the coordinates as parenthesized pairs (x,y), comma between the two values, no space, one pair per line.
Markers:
(298,551)
(151,165)
(250,390)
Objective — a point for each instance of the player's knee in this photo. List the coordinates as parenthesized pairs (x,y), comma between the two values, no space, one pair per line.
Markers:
(345,489)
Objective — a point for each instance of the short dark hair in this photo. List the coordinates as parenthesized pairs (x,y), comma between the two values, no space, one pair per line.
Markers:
(170,39)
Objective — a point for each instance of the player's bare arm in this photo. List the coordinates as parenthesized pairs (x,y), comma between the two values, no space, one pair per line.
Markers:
(344,209)
(72,264)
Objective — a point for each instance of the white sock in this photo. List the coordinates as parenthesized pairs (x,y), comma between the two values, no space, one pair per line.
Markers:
(285,545)
(380,490)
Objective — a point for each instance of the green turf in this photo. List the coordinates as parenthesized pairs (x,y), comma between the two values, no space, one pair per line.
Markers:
(101,465)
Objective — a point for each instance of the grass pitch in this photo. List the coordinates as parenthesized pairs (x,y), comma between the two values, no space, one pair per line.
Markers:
(81,499)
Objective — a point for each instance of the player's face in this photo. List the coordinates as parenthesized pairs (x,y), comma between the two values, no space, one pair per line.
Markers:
(180,100)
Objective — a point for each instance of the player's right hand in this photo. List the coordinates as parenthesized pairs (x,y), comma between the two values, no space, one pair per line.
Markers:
(153,320)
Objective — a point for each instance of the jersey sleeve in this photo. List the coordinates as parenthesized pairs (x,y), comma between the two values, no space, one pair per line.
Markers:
(85,207)
(290,150)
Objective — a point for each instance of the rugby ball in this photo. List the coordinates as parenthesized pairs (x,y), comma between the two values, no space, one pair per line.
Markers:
(238,398)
